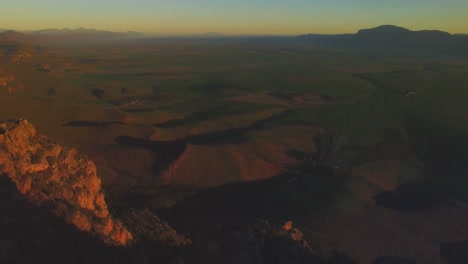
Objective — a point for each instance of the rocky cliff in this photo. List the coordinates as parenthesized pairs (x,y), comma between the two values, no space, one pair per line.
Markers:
(58,178)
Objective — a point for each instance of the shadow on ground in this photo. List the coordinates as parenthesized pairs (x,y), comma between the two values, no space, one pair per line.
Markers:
(442,148)
(409,197)
(286,196)
(455,253)
(31,234)
(393,260)
(79,123)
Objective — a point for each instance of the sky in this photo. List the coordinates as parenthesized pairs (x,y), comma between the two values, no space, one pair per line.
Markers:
(235,16)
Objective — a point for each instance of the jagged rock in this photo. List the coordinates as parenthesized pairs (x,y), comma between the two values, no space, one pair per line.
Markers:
(287,226)
(295,234)
(150,227)
(255,243)
(5,80)
(59,178)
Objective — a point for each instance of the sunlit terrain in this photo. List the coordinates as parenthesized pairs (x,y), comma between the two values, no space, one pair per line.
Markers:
(363,148)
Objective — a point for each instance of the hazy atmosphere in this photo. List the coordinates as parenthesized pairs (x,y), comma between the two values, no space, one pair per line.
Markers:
(234,132)
(234,17)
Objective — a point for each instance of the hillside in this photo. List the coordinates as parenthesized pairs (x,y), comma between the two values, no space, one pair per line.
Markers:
(206,147)
(58,180)
(10,36)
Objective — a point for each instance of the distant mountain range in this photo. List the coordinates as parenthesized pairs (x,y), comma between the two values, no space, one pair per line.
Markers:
(386,38)
(65,31)
(53,31)
(65,35)
(79,31)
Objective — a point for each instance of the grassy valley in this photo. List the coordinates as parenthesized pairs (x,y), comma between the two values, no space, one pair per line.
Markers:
(365,151)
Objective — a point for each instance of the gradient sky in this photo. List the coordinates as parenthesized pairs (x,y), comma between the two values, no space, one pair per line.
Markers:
(235,16)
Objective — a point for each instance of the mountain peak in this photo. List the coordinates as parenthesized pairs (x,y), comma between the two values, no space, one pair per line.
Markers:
(11,33)
(14,36)
(393,31)
(384,29)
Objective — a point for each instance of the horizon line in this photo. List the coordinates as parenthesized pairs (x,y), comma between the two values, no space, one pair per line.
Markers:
(218,33)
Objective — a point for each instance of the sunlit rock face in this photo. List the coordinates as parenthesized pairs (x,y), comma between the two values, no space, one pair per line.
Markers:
(58,178)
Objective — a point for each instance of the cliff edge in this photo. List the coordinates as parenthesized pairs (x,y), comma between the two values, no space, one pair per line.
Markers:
(58,178)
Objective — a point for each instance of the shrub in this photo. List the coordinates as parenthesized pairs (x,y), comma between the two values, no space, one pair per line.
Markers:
(51,91)
(98,93)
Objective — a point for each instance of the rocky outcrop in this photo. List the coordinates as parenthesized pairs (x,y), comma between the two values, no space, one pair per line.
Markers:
(58,178)
(256,242)
(149,227)
(5,80)
(8,81)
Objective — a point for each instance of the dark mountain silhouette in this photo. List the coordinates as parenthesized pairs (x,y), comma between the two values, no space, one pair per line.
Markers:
(82,31)
(385,39)
(14,36)
(384,29)
(54,31)
(393,35)
(395,31)
(57,36)
(389,38)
